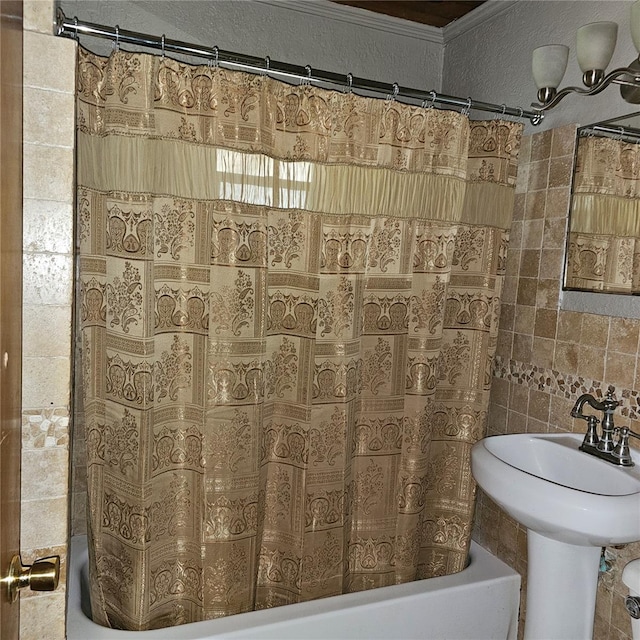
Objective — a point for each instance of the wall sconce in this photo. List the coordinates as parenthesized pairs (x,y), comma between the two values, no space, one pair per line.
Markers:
(595,43)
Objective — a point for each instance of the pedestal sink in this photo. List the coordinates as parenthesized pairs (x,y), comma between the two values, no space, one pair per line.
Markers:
(572,504)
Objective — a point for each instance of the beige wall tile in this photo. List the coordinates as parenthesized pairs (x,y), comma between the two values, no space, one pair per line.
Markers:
(39,47)
(551,263)
(45,473)
(560,171)
(541,145)
(43,617)
(623,335)
(48,173)
(535,204)
(595,330)
(620,369)
(38,15)
(543,352)
(532,234)
(546,321)
(47,115)
(558,203)
(46,382)
(39,324)
(524,320)
(527,291)
(538,175)
(47,226)
(44,523)
(47,279)
(530,263)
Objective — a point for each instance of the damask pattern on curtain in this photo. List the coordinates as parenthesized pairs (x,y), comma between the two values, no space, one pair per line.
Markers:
(288,306)
(604,238)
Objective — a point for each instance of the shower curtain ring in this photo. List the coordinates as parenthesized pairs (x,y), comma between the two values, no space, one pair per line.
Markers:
(307,80)
(267,64)
(349,82)
(116,44)
(501,114)
(75,23)
(432,100)
(396,91)
(216,57)
(467,109)
(162,42)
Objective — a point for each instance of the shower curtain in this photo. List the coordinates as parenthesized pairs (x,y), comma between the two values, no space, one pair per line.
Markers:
(288,307)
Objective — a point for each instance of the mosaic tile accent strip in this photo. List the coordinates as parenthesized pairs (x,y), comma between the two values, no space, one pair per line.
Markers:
(43,428)
(565,385)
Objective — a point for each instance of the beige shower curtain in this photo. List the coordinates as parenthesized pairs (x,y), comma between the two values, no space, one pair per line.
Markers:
(604,239)
(288,310)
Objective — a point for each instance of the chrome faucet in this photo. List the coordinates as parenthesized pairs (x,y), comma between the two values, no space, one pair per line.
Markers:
(604,446)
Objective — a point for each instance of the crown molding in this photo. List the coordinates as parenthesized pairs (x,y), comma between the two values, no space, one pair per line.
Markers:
(353,15)
(480,14)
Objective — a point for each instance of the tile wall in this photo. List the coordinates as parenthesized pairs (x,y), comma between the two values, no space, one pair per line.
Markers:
(547,357)
(48,114)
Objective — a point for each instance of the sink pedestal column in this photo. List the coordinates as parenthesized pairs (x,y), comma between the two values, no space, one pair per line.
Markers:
(561,589)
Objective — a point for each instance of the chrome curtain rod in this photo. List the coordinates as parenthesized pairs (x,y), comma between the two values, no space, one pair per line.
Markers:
(615,132)
(73,28)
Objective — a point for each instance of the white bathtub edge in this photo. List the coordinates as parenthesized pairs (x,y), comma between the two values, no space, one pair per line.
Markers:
(486,577)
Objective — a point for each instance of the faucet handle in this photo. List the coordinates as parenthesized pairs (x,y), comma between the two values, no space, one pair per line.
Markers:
(610,401)
(621,451)
(591,437)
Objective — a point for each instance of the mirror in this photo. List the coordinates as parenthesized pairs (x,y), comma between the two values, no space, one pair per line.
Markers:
(603,243)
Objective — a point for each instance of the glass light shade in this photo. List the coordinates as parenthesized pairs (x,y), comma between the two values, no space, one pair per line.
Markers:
(595,43)
(549,64)
(635,24)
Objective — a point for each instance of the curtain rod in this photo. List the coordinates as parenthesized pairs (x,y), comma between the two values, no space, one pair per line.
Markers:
(616,132)
(73,28)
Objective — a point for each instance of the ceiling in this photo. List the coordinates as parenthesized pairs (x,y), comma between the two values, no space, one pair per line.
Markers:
(436,13)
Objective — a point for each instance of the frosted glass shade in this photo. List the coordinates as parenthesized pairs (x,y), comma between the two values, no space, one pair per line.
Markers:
(549,64)
(595,43)
(635,24)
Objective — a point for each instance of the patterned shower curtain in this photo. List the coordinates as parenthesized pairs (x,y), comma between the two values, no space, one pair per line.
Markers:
(604,238)
(288,307)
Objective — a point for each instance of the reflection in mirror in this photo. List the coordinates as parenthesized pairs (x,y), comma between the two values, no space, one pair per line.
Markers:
(603,246)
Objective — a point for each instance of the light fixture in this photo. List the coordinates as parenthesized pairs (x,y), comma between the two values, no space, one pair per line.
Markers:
(595,44)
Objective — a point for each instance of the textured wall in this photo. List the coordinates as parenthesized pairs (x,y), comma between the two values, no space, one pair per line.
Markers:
(285,34)
(547,357)
(493,60)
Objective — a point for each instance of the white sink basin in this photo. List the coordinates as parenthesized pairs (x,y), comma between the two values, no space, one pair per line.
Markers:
(548,485)
(572,503)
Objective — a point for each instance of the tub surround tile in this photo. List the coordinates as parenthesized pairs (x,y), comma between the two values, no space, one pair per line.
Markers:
(44,117)
(44,523)
(56,163)
(38,15)
(43,617)
(48,475)
(39,47)
(46,382)
(47,279)
(39,324)
(47,226)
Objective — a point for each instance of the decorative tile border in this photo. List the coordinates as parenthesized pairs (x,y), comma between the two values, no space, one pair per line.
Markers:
(564,385)
(44,428)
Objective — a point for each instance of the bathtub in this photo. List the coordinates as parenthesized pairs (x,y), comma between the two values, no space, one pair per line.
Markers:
(479,603)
